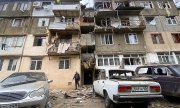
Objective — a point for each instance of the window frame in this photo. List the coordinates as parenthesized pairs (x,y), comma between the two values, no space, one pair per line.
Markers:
(42,41)
(149,3)
(140,57)
(1,63)
(64,60)
(167,4)
(128,38)
(172,19)
(160,40)
(106,42)
(36,60)
(19,25)
(41,20)
(12,67)
(174,36)
(108,58)
(149,23)
(165,58)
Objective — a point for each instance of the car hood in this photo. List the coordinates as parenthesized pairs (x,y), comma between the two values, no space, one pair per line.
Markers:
(23,87)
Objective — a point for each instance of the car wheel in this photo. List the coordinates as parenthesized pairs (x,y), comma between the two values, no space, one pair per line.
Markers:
(108,102)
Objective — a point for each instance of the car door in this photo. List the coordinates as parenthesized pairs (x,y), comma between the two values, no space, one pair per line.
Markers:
(101,82)
(165,78)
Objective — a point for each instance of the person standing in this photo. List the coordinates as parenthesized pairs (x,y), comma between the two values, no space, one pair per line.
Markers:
(77,79)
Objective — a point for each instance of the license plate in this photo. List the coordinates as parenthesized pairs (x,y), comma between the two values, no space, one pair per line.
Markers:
(9,106)
(140,89)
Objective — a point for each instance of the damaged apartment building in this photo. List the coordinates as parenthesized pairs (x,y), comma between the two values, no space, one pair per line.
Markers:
(63,36)
(129,33)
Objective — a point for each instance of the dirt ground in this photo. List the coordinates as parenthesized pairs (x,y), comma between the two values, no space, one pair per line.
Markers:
(84,98)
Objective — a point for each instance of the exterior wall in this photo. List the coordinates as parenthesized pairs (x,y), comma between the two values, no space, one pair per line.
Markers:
(7,29)
(161,25)
(168,45)
(4,72)
(50,65)
(120,45)
(38,30)
(157,11)
(15,13)
(31,50)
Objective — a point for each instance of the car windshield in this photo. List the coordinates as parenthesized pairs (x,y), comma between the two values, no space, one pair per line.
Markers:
(176,68)
(18,78)
(119,74)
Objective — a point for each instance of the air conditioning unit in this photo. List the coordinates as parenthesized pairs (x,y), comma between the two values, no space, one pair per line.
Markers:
(37,4)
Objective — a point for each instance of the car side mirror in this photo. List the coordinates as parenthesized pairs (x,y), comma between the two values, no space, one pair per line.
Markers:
(50,81)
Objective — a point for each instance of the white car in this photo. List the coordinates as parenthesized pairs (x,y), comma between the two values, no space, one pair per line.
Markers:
(24,90)
(122,86)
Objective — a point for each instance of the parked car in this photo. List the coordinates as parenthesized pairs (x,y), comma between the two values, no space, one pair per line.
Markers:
(167,75)
(122,86)
(24,90)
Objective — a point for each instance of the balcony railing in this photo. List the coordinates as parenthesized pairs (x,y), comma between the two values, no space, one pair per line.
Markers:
(64,48)
(129,23)
(64,25)
(66,7)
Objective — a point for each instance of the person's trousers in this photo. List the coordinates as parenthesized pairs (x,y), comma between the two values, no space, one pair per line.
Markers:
(76,84)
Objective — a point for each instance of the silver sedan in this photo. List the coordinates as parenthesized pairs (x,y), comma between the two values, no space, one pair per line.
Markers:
(24,89)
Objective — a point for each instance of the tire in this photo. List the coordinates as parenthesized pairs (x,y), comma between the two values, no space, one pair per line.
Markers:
(108,102)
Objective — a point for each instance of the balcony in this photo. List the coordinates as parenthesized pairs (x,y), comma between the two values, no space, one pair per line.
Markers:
(64,48)
(67,10)
(122,25)
(129,25)
(64,26)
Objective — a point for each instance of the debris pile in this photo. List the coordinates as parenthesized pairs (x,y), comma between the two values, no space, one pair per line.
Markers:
(78,95)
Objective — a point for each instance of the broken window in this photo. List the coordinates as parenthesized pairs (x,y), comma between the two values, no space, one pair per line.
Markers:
(45,4)
(163,5)
(3,7)
(36,63)
(157,39)
(43,22)
(131,38)
(176,37)
(106,39)
(134,59)
(64,63)
(150,20)
(147,4)
(166,58)
(125,22)
(103,5)
(106,22)
(1,63)
(171,20)
(12,64)
(108,60)
(39,41)
(124,4)
(17,22)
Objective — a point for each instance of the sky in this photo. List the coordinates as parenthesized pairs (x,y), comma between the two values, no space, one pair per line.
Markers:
(90,2)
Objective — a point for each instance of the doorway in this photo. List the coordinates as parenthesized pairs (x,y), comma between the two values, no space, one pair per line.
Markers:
(88,77)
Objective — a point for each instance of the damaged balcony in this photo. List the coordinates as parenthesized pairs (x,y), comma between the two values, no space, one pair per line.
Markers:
(64,26)
(66,10)
(128,25)
(120,25)
(64,48)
